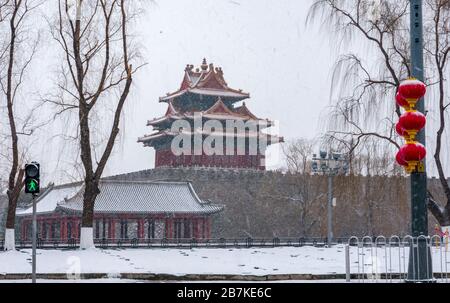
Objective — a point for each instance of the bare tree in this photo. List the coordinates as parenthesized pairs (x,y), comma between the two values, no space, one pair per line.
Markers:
(18,44)
(97,68)
(364,86)
(298,153)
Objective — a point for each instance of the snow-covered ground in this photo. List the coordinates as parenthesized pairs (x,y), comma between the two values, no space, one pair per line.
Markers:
(257,261)
(215,261)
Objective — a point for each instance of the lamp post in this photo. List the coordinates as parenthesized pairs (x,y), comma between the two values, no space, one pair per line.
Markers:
(330,164)
(420,267)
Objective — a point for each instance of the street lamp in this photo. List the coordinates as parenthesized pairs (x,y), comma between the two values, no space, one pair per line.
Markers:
(420,265)
(330,164)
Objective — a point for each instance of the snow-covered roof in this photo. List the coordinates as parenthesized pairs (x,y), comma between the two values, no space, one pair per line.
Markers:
(49,199)
(207,80)
(270,139)
(219,111)
(207,92)
(144,197)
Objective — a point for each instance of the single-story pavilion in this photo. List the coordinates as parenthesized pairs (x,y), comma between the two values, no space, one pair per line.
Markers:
(123,210)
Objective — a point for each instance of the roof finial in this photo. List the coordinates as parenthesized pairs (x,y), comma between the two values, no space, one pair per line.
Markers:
(204,64)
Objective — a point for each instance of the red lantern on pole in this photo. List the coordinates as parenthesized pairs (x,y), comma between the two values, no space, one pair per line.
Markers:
(400,130)
(400,159)
(412,154)
(412,90)
(402,101)
(412,122)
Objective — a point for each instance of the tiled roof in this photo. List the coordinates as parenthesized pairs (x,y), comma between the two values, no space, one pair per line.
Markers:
(270,139)
(206,81)
(48,200)
(144,197)
(207,92)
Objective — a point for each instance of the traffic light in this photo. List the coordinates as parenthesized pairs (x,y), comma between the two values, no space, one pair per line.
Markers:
(32,178)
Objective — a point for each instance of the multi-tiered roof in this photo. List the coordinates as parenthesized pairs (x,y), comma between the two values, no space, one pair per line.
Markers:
(206,81)
(205,93)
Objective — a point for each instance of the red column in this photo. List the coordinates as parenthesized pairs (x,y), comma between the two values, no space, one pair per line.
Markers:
(112,229)
(201,225)
(195,228)
(49,229)
(41,228)
(23,232)
(66,233)
(140,232)
(63,229)
(75,229)
(169,228)
(208,226)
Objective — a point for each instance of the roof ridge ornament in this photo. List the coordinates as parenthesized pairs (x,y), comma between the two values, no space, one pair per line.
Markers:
(204,65)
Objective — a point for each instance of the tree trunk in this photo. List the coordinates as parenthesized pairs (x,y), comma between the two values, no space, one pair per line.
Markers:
(10,238)
(13,184)
(78,64)
(13,197)
(442,214)
(87,232)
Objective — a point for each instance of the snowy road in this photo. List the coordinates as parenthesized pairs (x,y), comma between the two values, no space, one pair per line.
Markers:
(179,262)
(256,261)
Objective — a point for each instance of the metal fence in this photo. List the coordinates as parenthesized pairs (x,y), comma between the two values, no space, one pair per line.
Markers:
(384,259)
(181,243)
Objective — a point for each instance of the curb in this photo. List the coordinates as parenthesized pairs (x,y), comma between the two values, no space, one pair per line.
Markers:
(204,277)
(169,277)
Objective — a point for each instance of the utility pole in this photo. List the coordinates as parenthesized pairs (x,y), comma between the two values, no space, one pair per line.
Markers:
(420,266)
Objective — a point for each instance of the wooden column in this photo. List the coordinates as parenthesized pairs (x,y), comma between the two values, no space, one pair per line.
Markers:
(63,229)
(41,228)
(141,231)
(195,228)
(23,230)
(208,226)
(49,229)
(75,229)
(169,232)
(200,224)
(112,229)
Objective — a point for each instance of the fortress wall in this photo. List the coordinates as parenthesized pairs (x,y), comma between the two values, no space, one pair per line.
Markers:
(274,204)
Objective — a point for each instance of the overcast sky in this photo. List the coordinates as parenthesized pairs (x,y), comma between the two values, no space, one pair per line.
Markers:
(264,48)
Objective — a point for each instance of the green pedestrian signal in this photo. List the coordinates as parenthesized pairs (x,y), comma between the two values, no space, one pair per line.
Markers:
(32,178)
(32,185)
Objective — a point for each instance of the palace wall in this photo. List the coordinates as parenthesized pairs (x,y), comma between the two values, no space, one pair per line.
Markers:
(273,204)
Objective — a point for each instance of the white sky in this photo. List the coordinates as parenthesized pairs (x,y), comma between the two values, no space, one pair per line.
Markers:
(263,46)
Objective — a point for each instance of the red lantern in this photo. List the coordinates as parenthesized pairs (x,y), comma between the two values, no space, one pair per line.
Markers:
(412,122)
(413,152)
(400,130)
(400,159)
(401,101)
(412,90)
